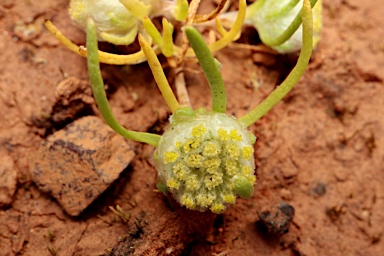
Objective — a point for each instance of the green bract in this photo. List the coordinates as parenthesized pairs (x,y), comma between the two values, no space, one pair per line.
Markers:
(114,22)
(206,160)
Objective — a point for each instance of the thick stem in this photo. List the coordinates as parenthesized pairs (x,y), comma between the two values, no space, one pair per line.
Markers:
(167,38)
(100,96)
(210,69)
(293,77)
(199,18)
(234,31)
(181,10)
(159,75)
(104,57)
(153,32)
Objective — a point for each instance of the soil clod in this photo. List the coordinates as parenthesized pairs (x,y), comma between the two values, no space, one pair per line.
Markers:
(76,164)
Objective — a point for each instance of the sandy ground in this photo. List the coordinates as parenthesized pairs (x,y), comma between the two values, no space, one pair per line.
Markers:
(318,152)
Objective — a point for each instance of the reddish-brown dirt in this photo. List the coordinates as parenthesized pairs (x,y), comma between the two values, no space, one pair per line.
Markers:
(319,150)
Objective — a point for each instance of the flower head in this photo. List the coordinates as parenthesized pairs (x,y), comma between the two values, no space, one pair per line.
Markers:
(206,159)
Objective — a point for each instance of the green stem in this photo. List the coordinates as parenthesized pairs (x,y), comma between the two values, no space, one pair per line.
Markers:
(234,31)
(295,24)
(293,77)
(153,32)
(101,97)
(181,10)
(167,38)
(158,74)
(210,68)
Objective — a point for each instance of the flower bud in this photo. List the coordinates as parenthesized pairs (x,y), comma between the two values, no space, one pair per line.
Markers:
(273,17)
(114,23)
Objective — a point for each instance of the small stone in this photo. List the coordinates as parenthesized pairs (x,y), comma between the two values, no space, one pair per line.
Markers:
(286,194)
(318,188)
(289,172)
(72,97)
(264,59)
(365,215)
(341,174)
(7,179)
(27,32)
(75,165)
(369,70)
(275,220)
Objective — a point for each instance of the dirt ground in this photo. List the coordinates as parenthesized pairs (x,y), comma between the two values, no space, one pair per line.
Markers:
(319,152)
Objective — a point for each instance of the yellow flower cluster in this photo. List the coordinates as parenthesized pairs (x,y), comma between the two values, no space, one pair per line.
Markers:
(200,161)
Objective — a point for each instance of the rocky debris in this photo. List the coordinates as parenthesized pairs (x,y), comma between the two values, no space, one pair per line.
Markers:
(75,165)
(7,179)
(276,220)
(72,97)
(317,189)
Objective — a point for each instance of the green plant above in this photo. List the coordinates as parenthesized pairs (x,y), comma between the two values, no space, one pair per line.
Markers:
(119,22)
(205,158)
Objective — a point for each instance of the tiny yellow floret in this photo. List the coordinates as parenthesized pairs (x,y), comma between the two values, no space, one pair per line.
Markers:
(246,170)
(170,157)
(191,144)
(252,179)
(230,167)
(230,198)
(192,183)
(217,208)
(194,160)
(212,164)
(247,152)
(234,134)
(178,144)
(214,180)
(210,149)
(172,183)
(195,143)
(223,134)
(179,170)
(233,150)
(188,202)
(198,131)
(204,200)
(187,145)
